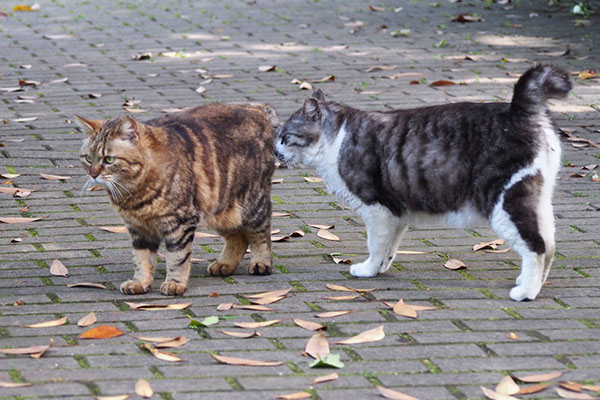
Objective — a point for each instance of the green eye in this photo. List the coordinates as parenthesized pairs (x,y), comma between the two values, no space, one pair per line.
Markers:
(109,159)
(88,158)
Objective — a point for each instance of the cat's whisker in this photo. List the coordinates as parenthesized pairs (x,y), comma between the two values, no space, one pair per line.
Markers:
(120,185)
(87,185)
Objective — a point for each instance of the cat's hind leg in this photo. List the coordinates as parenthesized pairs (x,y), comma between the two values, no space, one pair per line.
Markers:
(236,244)
(382,226)
(144,255)
(400,230)
(547,230)
(515,218)
(260,247)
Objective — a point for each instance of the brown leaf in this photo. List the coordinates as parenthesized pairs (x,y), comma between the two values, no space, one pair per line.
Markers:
(142,56)
(533,388)
(328,78)
(58,268)
(224,306)
(499,251)
(14,190)
(54,177)
(463,18)
(32,350)
(176,342)
(327,235)
(87,320)
(48,324)
(326,378)
(443,82)
(332,314)
(148,306)
(115,229)
(342,288)
(488,245)
(540,377)
(267,68)
(320,226)
(507,386)
(593,388)
(245,361)
(394,395)
(161,355)
(308,325)
(254,325)
(276,214)
(251,307)
(317,346)
(267,300)
(295,396)
(368,336)
(381,68)
(404,310)
(512,336)
(298,233)
(313,179)
(374,8)
(102,332)
(346,297)
(567,394)
(285,238)
(454,264)
(276,181)
(339,260)
(241,335)
(94,285)
(143,389)
(490,394)
(573,386)
(18,220)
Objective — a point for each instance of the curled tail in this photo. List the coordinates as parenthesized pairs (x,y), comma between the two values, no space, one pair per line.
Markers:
(539,84)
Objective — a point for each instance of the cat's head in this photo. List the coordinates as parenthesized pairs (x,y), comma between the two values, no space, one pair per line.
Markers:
(113,155)
(298,140)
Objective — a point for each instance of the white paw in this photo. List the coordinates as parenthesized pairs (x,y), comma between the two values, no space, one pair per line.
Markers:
(364,270)
(524,292)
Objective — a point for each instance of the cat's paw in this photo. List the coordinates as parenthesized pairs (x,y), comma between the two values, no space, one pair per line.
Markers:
(219,269)
(364,270)
(524,292)
(133,287)
(172,288)
(259,268)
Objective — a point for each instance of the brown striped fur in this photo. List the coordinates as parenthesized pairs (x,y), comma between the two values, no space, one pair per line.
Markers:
(208,166)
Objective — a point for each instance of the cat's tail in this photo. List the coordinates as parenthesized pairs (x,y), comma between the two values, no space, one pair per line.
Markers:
(539,84)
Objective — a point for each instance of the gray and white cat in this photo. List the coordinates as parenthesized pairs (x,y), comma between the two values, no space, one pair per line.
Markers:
(460,163)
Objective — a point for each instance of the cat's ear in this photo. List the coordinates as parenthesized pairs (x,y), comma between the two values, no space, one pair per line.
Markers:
(311,109)
(319,95)
(89,126)
(129,129)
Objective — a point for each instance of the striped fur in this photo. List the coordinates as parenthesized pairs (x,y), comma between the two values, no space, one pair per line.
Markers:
(208,166)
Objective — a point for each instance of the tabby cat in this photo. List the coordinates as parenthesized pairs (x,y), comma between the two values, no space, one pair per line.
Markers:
(207,166)
(459,163)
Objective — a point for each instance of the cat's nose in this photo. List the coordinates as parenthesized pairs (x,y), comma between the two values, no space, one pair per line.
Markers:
(94,171)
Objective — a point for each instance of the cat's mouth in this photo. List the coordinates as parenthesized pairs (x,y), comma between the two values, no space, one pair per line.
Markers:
(116,190)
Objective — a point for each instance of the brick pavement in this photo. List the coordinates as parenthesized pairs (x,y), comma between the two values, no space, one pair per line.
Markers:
(443,354)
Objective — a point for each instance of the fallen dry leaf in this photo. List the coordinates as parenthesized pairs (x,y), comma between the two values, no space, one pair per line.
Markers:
(114,229)
(512,336)
(332,314)
(567,394)
(305,86)
(298,233)
(394,395)
(277,181)
(328,78)
(251,307)
(493,245)
(375,8)
(224,306)
(285,238)
(507,386)
(254,325)
(404,310)
(317,346)
(267,68)
(172,110)
(342,288)
(14,191)
(354,24)
(94,285)
(87,320)
(313,179)
(443,82)
(276,214)
(31,351)
(463,18)
(295,396)
(454,264)
(245,361)
(143,389)
(176,342)
(490,394)
(10,176)
(148,306)
(405,75)
(58,268)
(161,355)
(115,397)
(346,297)
(102,332)
(327,235)
(540,377)
(368,336)
(339,260)
(381,68)
(241,335)
(14,384)
(267,300)
(533,388)
(308,325)
(19,220)
(326,378)
(48,324)
(320,226)
(51,177)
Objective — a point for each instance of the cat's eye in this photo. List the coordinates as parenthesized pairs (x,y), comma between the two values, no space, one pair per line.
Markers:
(109,159)
(88,158)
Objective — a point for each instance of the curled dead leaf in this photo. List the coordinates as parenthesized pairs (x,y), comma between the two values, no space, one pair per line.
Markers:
(114,229)
(332,314)
(327,235)
(540,377)
(454,264)
(252,307)
(295,396)
(241,335)
(326,378)
(33,351)
(567,394)
(94,285)
(394,395)
(490,394)
(245,361)
(48,324)
(443,82)
(161,355)
(309,325)
(148,306)
(254,325)
(342,288)
(493,245)
(51,177)
(57,268)
(143,389)
(507,386)
(267,68)
(317,346)
(19,220)
(381,68)
(534,388)
(368,336)
(87,320)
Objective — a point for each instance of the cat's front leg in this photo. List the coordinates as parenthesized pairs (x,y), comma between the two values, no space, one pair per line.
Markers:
(144,255)
(382,228)
(179,245)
